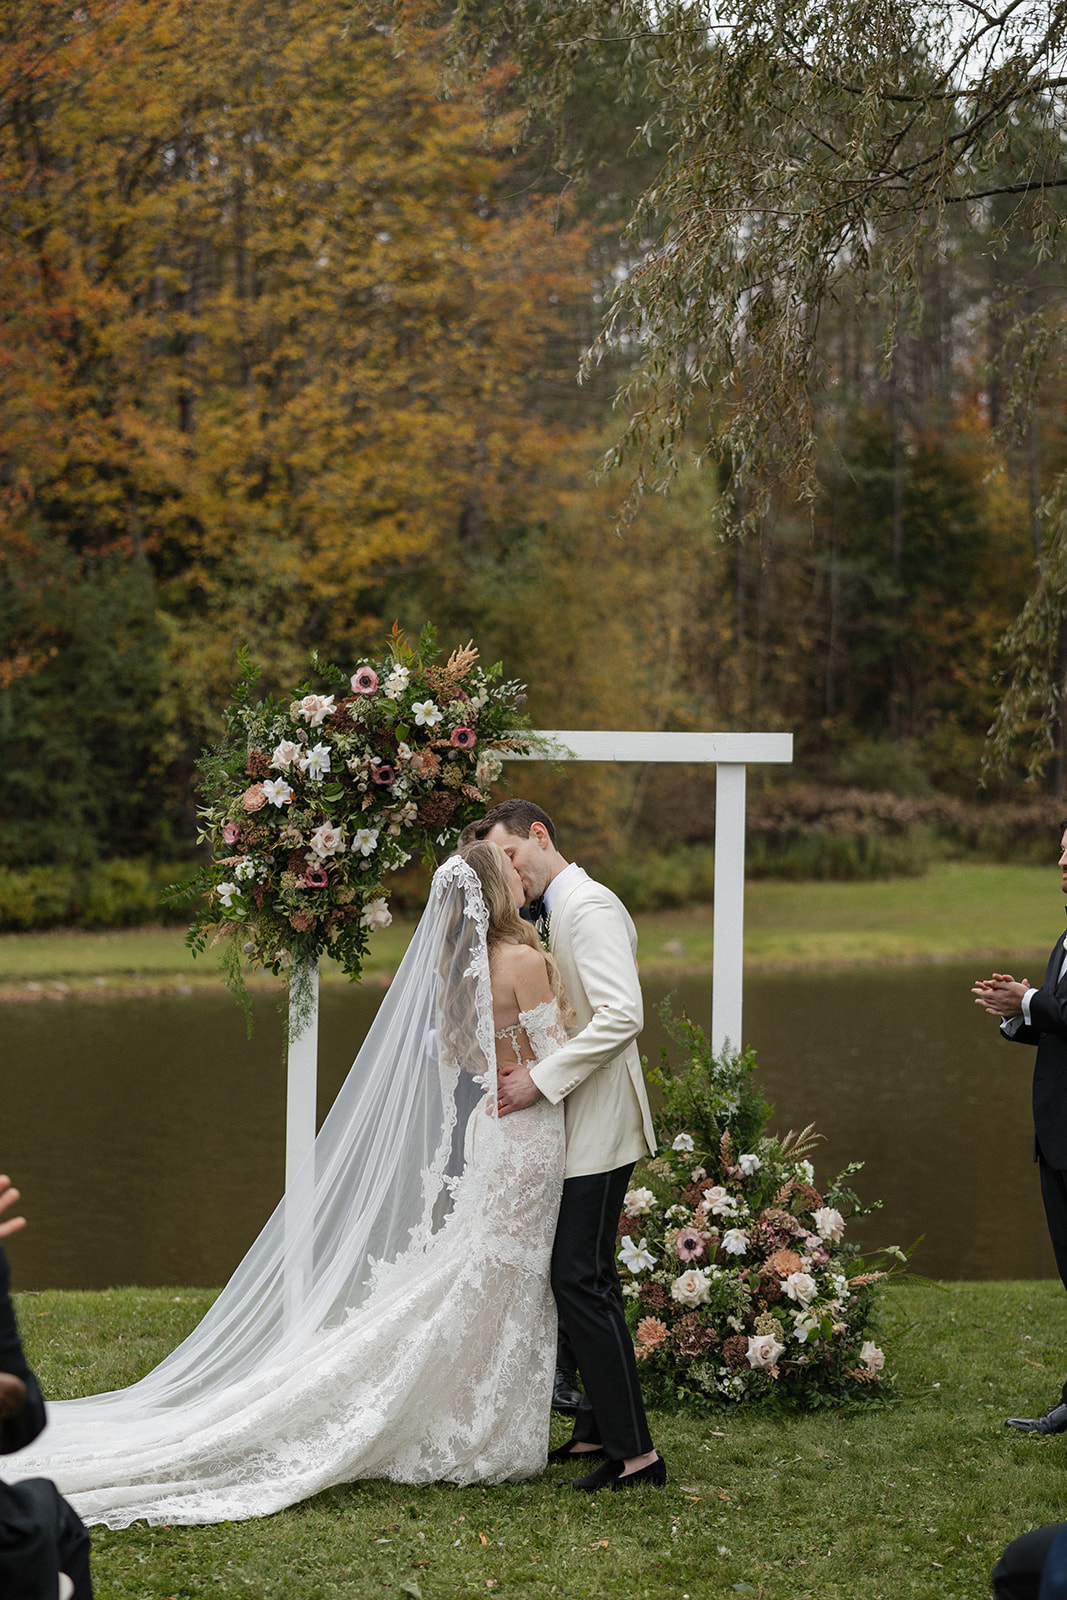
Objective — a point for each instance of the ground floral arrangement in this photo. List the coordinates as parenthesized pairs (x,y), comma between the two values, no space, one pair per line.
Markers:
(309,804)
(739,1283)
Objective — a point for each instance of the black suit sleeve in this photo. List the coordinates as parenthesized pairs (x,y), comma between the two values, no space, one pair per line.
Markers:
(17,1431)
(1048,1012)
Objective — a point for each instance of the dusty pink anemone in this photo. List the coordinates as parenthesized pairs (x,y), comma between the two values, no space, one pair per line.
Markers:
(315,878)
(365,681)
(230,832)
(383,774)
(463,738)
(690,1245)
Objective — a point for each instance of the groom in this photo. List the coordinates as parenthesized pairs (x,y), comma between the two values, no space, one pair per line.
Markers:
(609,1126)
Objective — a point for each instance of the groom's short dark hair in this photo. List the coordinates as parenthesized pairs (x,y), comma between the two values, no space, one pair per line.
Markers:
(517,817)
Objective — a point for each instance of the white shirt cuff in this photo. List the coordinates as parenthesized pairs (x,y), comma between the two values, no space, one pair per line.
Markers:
(1026,1006)
(1009,1026)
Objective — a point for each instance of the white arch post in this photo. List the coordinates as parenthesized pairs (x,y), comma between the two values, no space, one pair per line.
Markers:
(731,754)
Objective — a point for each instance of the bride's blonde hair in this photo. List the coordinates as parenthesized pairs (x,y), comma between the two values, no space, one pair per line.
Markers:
(505,924)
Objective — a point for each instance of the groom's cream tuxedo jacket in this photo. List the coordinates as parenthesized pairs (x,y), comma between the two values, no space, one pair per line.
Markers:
(598,1072)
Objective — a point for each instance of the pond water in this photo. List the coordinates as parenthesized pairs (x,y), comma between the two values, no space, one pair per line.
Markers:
(147,1135)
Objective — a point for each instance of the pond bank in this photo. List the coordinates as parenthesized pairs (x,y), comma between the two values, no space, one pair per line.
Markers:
(987,914)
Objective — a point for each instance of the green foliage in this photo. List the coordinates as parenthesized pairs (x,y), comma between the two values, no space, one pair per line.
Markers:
(108,894)
(708,1094)
(887,765)
(86,729)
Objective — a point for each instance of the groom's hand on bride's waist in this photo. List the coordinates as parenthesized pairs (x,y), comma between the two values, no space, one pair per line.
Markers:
(515,1090)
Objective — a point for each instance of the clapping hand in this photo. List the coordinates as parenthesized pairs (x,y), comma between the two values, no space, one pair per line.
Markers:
(9,1196)
(1001,995)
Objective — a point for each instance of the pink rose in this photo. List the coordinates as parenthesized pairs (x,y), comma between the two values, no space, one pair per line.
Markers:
(255,798)
(230,833)
(365,681)
(463,738)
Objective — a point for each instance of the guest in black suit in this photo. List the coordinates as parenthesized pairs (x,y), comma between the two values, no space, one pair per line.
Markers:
(1039,1017)
(44,1546)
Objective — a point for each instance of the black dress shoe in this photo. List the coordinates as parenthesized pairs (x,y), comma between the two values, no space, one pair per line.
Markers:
(566,1452)
(655,1472)
(1054,1421)
(565,1392)
(600,1479)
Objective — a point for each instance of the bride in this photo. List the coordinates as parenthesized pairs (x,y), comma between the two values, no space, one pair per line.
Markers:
(394,1318)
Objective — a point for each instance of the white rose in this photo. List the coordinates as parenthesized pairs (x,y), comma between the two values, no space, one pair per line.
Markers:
(764,1350)
(801,1288)
(365,840)
(871,1356)
(691,1289)
(719,1202)
(830,1224)
(635,1257)
(735,1241)
(488,769)
(285,754)
(749,1164)
(638,1202)
(683,1141)
(376,914)
(426,714)
(327,840)
(315,707)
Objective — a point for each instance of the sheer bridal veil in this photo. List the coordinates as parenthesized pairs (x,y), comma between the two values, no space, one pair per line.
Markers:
(377,1185)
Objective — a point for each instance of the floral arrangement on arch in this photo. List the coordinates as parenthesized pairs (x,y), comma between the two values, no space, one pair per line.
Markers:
(310,803)
(738,1279)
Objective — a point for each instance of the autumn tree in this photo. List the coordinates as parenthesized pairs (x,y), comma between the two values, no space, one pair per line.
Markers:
(272,317)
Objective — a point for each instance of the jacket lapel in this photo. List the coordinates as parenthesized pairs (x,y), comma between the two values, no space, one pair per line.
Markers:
(574,880)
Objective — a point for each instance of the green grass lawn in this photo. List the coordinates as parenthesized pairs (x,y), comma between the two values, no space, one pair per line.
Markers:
(957,912)
(914,1498)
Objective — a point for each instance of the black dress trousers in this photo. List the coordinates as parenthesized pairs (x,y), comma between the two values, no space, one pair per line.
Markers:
(586,1286)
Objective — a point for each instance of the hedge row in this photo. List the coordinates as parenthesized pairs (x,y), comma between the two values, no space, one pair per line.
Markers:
(111,894)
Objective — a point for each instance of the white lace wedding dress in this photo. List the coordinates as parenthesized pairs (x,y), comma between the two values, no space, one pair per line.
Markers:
(438,1365)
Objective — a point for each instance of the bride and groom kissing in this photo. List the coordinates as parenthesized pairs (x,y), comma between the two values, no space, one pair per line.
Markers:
(397,1315)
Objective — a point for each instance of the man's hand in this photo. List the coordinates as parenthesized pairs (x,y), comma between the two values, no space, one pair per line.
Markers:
(9,1196)
(515,1089)
(1001,995)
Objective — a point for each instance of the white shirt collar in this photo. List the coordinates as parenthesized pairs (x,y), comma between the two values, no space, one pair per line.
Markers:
(551,893)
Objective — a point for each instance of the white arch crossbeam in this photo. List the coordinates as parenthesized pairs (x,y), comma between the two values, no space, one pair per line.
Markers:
(731,754)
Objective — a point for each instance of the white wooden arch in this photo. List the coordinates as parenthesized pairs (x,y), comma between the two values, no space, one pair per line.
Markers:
(731,754)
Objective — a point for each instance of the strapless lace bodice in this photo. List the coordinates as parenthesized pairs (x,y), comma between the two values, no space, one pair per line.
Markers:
(540,1028)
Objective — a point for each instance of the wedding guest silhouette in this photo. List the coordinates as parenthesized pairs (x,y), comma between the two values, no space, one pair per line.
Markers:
(1039,1017)
(44,1547)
